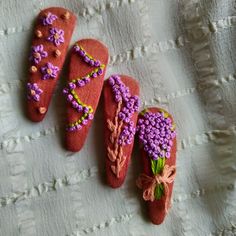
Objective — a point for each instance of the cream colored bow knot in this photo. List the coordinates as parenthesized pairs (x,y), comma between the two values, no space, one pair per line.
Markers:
(148,184)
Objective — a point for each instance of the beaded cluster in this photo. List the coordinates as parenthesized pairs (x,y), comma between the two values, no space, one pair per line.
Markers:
(38,53)
(122,128)
(73,98)
(156,132)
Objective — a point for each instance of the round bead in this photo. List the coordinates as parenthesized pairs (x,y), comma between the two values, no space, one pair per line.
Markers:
(69,97)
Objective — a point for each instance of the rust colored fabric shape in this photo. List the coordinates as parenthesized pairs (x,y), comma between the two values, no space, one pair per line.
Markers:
(88,62)
(121,104)
(157,138)
(52,34)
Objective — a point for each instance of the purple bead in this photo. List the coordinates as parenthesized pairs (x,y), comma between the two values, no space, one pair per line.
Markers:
(86,59)
(65,91)
(80,83)
(69,97)
(86,109)
(97,63)
(111,81)
(91,63)
(85,122)
(121,116)
(90,116)
(79,108)
(72,85)
(99,72)
(86,80)
(81,52)
(94,75)
(75,104)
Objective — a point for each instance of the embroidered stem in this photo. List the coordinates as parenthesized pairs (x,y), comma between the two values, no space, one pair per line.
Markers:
(116,154)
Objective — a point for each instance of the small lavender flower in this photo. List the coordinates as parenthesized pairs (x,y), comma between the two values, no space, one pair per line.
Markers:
(33,92)
(49,18)
(37,53)
(56,36)
(49,71)
(156,132)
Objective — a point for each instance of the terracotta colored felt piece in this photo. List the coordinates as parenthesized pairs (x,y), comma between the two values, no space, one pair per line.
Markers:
(52,34)
(157,138)
(88,62)
(121,104)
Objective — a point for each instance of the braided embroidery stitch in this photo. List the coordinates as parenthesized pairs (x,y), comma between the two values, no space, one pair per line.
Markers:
(73,98)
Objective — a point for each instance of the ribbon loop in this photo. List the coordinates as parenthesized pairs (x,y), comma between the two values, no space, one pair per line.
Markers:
(148,184)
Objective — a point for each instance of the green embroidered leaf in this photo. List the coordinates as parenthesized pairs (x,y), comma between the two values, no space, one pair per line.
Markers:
(159,191)
(157,165)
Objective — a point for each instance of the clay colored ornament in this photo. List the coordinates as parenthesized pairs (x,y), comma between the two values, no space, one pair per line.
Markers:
(121,104)
(157,138)
(45,66)
(87,67)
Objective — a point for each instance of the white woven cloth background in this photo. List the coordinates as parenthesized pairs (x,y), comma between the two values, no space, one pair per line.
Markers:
(184,55)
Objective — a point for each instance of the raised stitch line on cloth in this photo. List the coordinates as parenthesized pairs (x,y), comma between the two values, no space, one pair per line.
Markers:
(49,186)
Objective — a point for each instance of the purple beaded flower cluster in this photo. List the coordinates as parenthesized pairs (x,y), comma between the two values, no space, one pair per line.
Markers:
(156,132)
(33,92)
(37,53)
(48,19)
(130,106)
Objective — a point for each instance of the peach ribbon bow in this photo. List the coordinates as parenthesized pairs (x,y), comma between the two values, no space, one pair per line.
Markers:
(148,184)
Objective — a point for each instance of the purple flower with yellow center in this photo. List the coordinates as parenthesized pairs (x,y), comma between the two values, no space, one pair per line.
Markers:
(156,132)
(49,71)
(37,53)
(56,36)
(33,92)
(49,18)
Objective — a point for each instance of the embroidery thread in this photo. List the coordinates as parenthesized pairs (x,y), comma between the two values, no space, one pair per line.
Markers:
(122,128)
(70,92)
(156,132)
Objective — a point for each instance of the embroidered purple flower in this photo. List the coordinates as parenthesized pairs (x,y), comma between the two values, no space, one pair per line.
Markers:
(49,71)
(33,92)
(49,18)
(37,53)
(56,36)
(156,132)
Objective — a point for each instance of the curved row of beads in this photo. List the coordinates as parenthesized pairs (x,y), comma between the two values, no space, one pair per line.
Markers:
(49,71)
(73,98)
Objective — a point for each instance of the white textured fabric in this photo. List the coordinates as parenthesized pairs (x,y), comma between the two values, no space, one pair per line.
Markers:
(183,53)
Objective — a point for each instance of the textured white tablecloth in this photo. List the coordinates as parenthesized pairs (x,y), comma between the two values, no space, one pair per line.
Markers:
(183,53)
